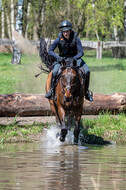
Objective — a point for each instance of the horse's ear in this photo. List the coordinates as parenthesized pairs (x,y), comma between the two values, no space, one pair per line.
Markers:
(63,65)
(74,63)
(64,62)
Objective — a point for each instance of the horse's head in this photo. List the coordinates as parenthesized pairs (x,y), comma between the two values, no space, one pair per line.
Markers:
(70,83)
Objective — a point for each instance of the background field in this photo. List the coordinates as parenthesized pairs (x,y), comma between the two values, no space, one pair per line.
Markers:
(108,75)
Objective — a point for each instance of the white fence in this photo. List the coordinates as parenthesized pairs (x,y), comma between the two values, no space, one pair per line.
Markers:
(90,44)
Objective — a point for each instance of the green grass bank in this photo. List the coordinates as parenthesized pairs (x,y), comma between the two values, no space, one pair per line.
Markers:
(93,131)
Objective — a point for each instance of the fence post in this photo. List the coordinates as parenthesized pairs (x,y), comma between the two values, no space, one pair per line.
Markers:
(99,50)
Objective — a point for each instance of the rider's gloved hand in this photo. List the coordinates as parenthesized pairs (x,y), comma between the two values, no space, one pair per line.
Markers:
(60,59)
(71,61)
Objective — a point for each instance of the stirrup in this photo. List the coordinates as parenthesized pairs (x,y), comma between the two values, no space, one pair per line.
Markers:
(49,94)
(89,95)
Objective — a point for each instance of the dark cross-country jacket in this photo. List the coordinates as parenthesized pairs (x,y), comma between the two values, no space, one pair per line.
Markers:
(67,48)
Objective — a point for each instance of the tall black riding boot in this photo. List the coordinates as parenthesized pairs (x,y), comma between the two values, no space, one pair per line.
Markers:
(88,93)
(49,94)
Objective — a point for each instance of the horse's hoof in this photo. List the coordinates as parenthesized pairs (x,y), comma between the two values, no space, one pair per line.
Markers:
(62,139)
(75,140)
(58,136)
(64,132)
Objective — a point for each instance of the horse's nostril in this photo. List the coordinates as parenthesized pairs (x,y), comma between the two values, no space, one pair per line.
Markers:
(67,99)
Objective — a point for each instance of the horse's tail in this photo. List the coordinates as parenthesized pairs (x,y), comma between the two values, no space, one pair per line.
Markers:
(47,59)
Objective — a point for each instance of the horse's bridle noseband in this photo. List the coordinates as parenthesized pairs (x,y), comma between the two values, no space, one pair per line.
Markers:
(68,86)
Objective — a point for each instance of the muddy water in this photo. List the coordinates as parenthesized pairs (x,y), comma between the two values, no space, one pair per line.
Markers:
(50,165)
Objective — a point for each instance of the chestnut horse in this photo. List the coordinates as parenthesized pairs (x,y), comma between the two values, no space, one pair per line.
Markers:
(68,99)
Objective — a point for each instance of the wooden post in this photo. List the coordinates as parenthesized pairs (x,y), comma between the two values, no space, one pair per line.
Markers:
(99,50)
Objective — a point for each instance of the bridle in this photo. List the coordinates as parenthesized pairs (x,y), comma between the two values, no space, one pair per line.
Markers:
(77,82)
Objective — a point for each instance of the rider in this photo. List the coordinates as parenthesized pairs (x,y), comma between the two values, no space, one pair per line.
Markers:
(69,45)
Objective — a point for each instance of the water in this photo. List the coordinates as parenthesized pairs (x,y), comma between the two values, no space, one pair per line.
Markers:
(50,165)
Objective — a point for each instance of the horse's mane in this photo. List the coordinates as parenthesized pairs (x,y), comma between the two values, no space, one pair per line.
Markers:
(47,59)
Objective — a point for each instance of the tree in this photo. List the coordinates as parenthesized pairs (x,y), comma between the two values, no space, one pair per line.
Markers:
(98,19)
(27,19)
(16,59)
(125,19)
(12,16)
(2,22)
(117,26)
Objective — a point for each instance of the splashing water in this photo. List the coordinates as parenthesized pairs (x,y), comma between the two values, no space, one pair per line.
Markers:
(49,138)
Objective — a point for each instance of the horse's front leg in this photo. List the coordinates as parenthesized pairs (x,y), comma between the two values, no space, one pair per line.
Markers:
(77,125)
(61,114)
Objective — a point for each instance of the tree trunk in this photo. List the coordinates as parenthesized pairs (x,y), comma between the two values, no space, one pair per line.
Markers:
(116,52)
(28,13)
(68,8)
(12,17)
(16,59)
(8,25)
(42,9)
(2,23)
(125,20)
(119,52)
(38,105)
(36,25)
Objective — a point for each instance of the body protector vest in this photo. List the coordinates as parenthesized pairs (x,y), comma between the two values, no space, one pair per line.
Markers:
(68,48)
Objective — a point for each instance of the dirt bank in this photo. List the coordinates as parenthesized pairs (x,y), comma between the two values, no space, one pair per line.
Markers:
(33,120)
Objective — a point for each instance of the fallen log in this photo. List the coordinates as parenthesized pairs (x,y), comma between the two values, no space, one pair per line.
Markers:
(37,105)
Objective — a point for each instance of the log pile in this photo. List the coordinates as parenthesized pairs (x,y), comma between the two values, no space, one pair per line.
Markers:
(37,105)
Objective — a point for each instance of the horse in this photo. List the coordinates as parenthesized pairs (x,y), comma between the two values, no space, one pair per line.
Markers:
(68,99)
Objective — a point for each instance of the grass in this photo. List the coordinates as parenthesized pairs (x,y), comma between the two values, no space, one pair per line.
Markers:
(20,78)
(107,74)
(15,133)
(100,131)
(105,128)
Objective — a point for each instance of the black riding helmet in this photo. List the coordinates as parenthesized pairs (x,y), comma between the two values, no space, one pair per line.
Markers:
(65,25)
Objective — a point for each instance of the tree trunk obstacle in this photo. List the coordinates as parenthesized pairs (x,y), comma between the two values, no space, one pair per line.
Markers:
(17,104)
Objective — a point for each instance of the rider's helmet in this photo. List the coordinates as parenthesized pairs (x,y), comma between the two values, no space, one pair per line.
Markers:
(65,25)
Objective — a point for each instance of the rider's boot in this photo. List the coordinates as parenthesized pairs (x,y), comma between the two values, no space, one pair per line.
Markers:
(50,93)
(88,93)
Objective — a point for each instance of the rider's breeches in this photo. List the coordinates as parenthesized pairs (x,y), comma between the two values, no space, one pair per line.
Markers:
(55,69)
(81,63)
